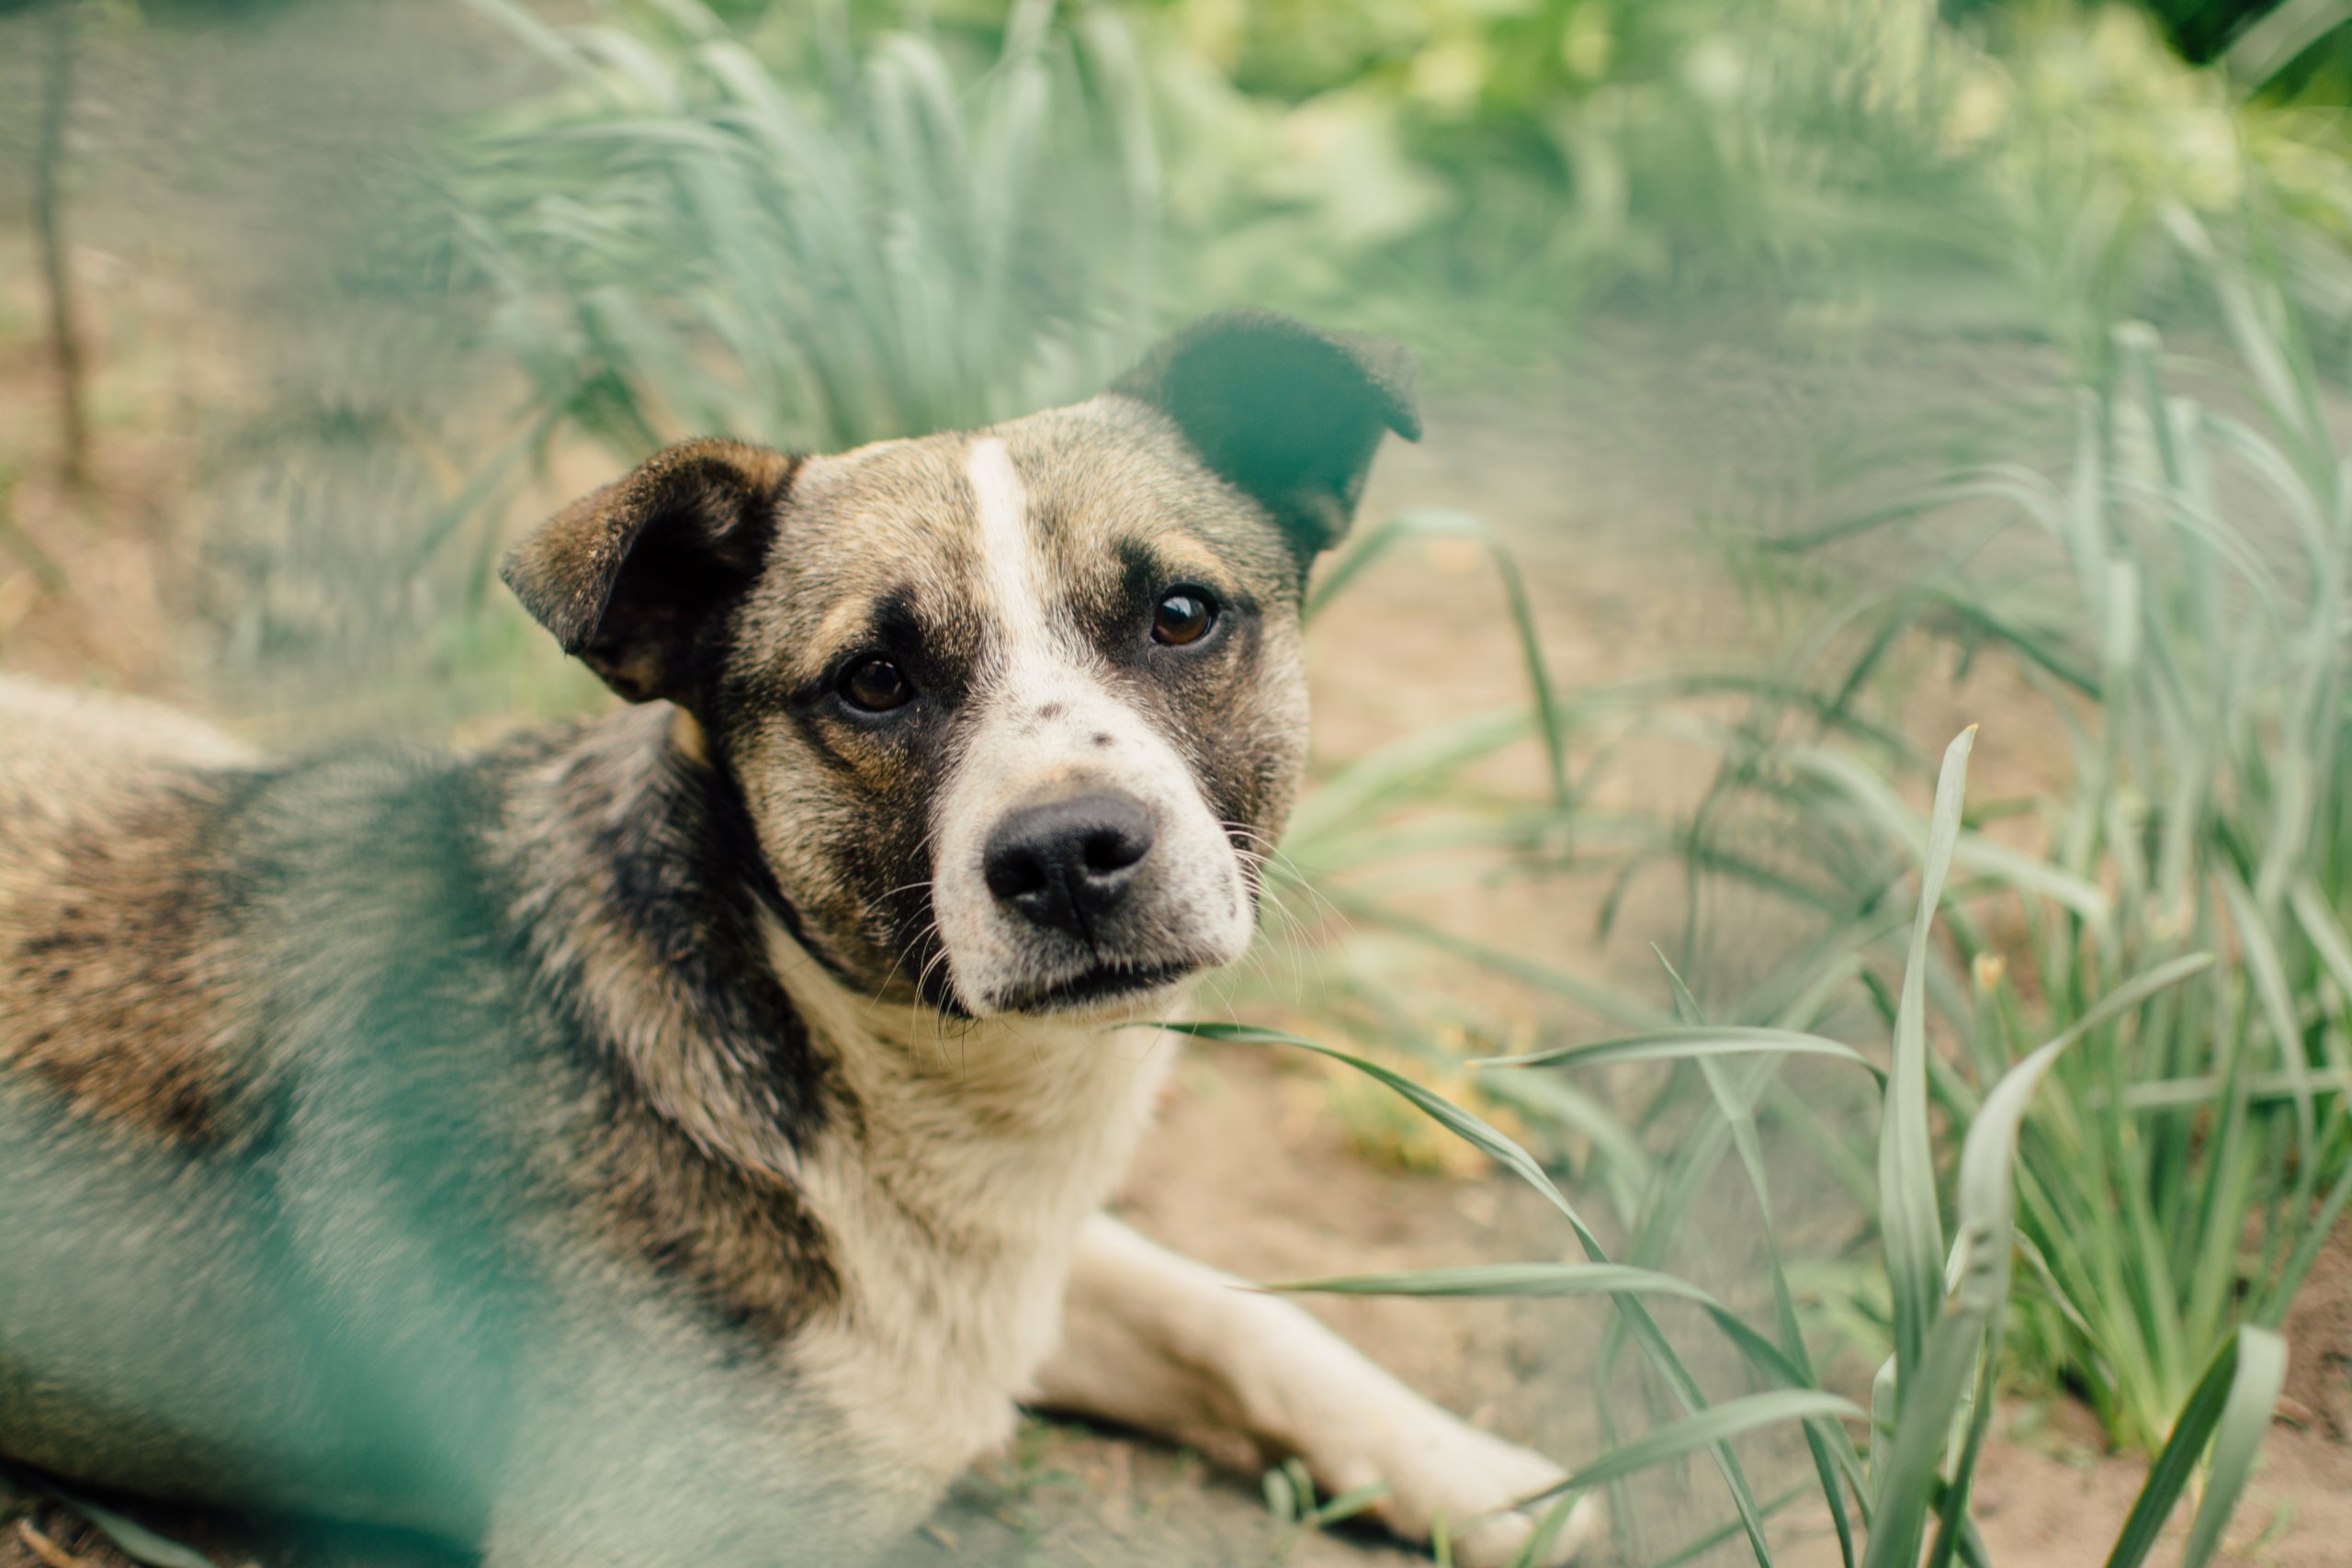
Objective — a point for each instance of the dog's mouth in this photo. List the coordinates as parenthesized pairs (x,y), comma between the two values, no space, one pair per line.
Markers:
(1102,983)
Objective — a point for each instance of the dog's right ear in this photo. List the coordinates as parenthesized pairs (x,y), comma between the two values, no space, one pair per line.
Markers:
(1287,413)
(634,579)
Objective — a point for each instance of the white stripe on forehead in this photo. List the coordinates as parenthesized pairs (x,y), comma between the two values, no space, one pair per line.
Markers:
(1047,722)
(1008,554)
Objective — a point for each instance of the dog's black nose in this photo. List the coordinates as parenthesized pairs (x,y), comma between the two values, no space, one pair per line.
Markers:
(1067,862)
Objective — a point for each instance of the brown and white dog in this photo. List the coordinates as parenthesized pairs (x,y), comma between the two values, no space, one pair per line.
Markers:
(681,1137)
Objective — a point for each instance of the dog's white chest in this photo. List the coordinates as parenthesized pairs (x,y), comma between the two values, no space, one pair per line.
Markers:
(951,1203)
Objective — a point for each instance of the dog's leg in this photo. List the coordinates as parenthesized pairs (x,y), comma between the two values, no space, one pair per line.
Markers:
(1159,1343)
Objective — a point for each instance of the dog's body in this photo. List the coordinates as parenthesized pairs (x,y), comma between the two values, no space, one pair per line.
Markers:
(680,1137)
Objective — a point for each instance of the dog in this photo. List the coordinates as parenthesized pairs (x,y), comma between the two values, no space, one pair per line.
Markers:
(682,1136)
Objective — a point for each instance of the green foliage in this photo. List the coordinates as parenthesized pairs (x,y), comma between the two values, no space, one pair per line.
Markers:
(820,248)
(1491,171)
(2178,601)
(1493,164)
(823,224)
(1906,1486)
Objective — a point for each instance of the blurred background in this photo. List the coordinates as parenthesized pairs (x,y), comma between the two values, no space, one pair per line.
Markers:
(1807,379)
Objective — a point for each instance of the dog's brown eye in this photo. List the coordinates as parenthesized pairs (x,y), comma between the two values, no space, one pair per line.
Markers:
(1185,615)
(875,685)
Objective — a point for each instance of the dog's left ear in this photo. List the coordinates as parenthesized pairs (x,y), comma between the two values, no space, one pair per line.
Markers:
(1285,412)
(636,578)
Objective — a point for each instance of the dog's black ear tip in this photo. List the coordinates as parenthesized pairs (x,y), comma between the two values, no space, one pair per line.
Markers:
(1287,411)
(1388,366)
(1392,375)
(1393,372)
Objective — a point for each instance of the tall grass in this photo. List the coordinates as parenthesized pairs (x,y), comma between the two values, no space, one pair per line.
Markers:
(818,247)
(1896,1480)
(2177,598)
(1836,163)
(705,203)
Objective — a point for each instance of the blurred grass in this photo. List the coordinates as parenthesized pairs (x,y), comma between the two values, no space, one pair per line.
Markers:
(688,238)
(831,221)
(2174,618)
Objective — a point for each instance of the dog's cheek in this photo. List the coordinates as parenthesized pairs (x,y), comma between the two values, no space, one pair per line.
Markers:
(1244,730)
(1250,786)
(893,841)
(889,865)
(803,814)
(843,830)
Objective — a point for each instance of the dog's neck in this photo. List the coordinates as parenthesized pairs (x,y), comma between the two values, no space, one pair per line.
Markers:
(642,890)
(990,1107)
(953,1199)
(642,878)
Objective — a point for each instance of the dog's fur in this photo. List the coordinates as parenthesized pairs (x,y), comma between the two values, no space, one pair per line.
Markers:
(666,1139)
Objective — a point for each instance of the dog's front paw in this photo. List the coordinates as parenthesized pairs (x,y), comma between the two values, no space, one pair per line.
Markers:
(1436,1467)
(1496,1540)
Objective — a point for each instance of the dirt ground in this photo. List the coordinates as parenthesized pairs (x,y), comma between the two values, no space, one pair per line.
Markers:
(1606,478)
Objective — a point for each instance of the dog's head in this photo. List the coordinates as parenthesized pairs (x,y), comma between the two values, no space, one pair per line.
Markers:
(1015,712)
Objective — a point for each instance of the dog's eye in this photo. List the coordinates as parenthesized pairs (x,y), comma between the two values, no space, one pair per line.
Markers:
(1184,616)
(876,685)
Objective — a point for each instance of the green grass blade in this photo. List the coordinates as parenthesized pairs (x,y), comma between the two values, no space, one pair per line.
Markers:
(135,1540)
(1492,1280)
(1447,1114)
(2268,970)
(1603,1000)
(1709,1427)
(1987,1209)
(1438,523)
(2315,1233)
(2246,1421)
(1925,1400)
(1500,1280)
(1688,1045)
(1538,1545)
(1347,1505)
(1824,1441)
(1909,1223)
(1807,1123)
(1721,1533)
(2230,1410)
(1403,773)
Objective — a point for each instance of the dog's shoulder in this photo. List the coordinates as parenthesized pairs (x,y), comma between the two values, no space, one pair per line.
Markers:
(164,889)
(113,975)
